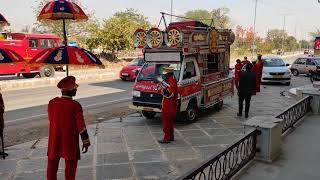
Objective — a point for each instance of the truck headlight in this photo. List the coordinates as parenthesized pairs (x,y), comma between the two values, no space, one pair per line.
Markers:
(288,72)
(136,93)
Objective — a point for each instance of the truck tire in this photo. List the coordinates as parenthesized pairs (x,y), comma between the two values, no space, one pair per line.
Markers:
(29,75)
(148,114)
(47,71)
(218,106)
(191,113)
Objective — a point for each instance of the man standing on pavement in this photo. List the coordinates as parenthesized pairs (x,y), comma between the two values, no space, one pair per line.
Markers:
(258,69)
(66,122)
(244,63)
(2,126)
(169,105)
(237,69)
(247,84)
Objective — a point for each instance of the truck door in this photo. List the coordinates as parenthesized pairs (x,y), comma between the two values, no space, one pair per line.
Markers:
(311,65)
(190,83)
(33,48)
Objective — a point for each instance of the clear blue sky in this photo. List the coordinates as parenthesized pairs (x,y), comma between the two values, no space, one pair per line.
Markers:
(300,14)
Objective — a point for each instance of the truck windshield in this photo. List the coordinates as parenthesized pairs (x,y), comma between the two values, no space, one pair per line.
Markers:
(151,70)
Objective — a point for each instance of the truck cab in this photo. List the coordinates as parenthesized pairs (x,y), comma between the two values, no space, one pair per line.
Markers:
(201,73)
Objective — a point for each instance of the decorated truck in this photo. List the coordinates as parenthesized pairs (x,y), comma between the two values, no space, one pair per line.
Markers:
(28,45)
(200,56)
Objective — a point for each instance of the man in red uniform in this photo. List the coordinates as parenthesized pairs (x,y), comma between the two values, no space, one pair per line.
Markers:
(259,69)
(66,122)
(237,69)
(169,105)
(254,70)
(2,127)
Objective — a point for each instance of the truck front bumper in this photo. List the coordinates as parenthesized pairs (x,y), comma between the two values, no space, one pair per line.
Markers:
(143,108)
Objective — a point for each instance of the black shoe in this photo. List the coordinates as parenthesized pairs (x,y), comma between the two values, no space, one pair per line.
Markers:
(163,141)
(246,116)
(238,114)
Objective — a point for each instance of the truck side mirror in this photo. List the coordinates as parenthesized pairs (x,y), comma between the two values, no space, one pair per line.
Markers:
(287,64)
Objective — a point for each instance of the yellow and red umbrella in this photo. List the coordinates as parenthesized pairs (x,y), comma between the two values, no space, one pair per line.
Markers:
(66,55)
(9,56)
(3,21)
(62,10)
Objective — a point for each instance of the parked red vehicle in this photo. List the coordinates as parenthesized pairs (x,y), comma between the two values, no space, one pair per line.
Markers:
(28,45)
(129,72)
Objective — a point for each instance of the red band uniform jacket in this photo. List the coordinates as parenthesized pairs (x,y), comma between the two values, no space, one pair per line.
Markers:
(66,123)
(170,103)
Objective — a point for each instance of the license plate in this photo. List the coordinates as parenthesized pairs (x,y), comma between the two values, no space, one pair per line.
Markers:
(277,76)
(125,74)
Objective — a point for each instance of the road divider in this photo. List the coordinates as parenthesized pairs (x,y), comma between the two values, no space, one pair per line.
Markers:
(82,77)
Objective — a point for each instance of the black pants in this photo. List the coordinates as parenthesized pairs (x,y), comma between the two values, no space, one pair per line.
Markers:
(247,99)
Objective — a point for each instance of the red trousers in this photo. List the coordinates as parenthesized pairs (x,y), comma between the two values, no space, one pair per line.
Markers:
(167,125)
(70,169)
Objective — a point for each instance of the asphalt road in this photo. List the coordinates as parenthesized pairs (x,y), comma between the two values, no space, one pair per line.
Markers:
(26,105)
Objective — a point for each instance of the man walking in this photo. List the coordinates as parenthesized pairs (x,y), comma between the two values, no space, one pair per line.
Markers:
(2,153)
(169,105)
(237,69)
(247,84)
(66,123)
(258,69)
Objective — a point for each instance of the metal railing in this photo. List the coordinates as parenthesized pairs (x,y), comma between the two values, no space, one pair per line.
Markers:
(227,163)
(294,113)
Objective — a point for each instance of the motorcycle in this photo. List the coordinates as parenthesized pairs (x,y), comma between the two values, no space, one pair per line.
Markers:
(315,74)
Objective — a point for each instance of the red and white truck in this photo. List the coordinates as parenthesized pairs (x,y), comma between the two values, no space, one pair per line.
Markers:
(200,55)
(28,45)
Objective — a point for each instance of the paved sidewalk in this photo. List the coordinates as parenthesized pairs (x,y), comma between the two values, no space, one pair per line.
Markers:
(299,159)
(127,148)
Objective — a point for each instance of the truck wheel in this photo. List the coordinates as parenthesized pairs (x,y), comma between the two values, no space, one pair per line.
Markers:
(191,113)
(148,115)
(219,105)
(29,75)
(47,71)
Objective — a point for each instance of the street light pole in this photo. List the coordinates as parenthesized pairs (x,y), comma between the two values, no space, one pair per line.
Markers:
(171,10)
(254,28)
(283,30)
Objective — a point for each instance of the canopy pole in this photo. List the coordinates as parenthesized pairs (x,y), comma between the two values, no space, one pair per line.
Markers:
(65,43)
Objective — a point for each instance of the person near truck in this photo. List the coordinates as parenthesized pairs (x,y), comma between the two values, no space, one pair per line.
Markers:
(237,69)
(247,84)
(169,105)
(259,69)
(66,123)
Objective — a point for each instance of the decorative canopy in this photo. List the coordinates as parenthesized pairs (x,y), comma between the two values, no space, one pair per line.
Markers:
(66,55)
(62,9)
(3,21)
(9,56)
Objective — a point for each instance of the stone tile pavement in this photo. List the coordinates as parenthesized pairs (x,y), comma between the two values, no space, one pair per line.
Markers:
(299,159)
(127,148)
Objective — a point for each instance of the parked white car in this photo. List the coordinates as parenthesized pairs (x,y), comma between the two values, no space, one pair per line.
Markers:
(275,70)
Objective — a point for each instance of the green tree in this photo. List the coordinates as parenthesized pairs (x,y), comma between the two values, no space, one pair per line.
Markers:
(304,44)
(276,37)
(315,34)
(116,32)
(219,17)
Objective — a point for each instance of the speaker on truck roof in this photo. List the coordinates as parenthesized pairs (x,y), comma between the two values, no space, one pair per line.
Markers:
(140,38)
(154,38)
(173,37)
